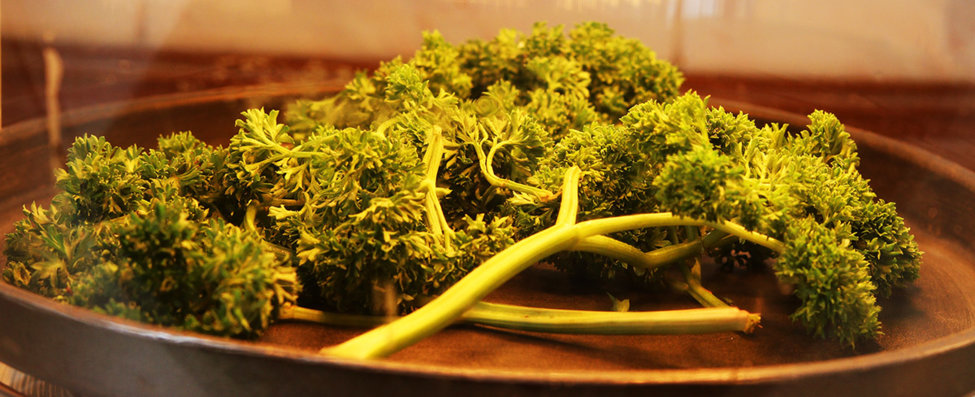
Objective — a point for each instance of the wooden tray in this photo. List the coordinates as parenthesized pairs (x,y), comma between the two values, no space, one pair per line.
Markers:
(928,347)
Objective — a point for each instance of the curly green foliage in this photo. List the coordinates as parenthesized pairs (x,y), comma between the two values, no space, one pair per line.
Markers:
(619,72)
(506,142)
(384,261)
(396,96)
(357,166)
(622,161)
(44,252)
(100,180)
(439,63)
(826,138)
(839,196)
(736,135)
(702,175)
(405,85)
(499,59)
(375,255)
(559,75)
(560,103)
(335,173)
(362,223)
(412,111)
(832,281)
(102,183)
(193,164)
(611,168)
(357,105)
(395,88)
(340,190)
(561,100)
(545,74)
(624,72)
(567,81)
(255,157)
(720,167)
(824,179)
(478,240)
(887,244)
(660,129)
(468,192)
(704,163)
(601,152)
(361,236)
(130,234)
(205,276)
(516,141)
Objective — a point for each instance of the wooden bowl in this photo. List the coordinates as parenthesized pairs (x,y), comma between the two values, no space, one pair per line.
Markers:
(928,346)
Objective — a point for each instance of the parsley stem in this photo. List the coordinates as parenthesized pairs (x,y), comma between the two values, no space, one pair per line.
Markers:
(704,296)
(686,321)
(665,219)
(569,207)
(303,314)
(692,277)
(487,169)
(562,321)
(613,248)
(436,219)
(250,216)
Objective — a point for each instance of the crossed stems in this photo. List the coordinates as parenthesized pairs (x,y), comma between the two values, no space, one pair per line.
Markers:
(566,235)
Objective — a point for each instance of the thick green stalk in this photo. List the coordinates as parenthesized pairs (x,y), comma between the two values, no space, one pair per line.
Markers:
(689,321)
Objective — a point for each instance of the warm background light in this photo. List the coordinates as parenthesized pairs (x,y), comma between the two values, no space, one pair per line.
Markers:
(926,40)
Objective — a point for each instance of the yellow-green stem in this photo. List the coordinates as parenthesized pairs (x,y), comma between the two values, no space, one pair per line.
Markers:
(610,247)
(436,220)
(687,321)
(487,169)
(443,310)
(692,276)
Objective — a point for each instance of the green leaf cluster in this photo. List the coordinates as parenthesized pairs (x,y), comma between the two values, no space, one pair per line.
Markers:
(131,233)
(701,162)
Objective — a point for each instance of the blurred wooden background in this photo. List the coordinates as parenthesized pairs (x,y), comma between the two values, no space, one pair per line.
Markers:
(903,68)
(938,116)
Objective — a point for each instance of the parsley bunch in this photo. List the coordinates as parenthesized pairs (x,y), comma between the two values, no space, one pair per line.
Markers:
(426,184)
